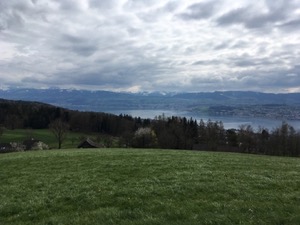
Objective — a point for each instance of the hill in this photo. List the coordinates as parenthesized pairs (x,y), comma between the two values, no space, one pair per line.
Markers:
(129,187)
(161,132)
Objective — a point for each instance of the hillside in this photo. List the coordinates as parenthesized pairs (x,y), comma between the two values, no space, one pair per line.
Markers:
(162,132)
(130,187)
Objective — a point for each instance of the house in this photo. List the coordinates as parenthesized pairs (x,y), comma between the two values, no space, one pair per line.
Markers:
(88,143)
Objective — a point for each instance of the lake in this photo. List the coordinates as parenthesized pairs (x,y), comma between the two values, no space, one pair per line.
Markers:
(228,121)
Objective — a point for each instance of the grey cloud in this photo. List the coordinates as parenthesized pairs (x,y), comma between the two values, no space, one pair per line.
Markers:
(16,14)
(11,14)
(151,44)
(11,20)
(103,5)
(245,63)
(199,11)
(117,70)
(252,17)
(117,76)
(206,62)
(230,44)
(222,45)
(253,62)
(271,80)
(292,25)
(72,38)
(15,5)
(80,45)
(139,4)
(101,79)
(68,5)
(280,81)
(151,11)
(295,73)
(246,17)
(85,50)
(234,16)
(209,82)
(239,44)
(31,80)
(171,6)
(258,78)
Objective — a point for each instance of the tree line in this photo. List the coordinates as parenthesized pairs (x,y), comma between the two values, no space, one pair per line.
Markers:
(162,132)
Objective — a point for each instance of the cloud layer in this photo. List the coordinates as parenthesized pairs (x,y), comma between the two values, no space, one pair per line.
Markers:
(151,45)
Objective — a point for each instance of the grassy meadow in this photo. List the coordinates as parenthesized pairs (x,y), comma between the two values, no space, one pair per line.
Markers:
(130,187)
(19,135)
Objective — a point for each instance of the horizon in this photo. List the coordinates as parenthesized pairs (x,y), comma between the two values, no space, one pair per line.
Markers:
(142,92)
(151,46)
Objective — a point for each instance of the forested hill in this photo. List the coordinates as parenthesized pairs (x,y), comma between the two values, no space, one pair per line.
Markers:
(105,101)
(36,115)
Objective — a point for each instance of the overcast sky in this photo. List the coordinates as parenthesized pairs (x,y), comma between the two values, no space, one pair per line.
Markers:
(151,45)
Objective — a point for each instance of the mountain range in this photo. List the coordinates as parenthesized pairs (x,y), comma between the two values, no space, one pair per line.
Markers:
(98,101)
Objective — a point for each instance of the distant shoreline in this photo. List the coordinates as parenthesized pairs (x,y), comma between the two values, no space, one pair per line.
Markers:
(229,122)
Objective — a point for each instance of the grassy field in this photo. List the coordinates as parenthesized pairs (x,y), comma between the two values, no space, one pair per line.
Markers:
(45,135)
(130,187)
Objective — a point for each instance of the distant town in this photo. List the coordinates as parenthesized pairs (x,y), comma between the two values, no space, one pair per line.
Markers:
(270,111)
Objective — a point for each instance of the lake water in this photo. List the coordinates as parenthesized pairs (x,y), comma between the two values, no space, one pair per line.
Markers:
(229,122)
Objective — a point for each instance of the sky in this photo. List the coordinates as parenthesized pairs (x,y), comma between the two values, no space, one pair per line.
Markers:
(151,45)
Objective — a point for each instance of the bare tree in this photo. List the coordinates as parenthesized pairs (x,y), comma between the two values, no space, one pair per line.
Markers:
(60,129)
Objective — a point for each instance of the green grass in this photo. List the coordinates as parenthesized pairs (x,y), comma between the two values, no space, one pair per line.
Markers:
(45,135)
(130,187)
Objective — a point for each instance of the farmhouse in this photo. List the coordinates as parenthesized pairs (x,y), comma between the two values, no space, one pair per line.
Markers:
(88,143)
